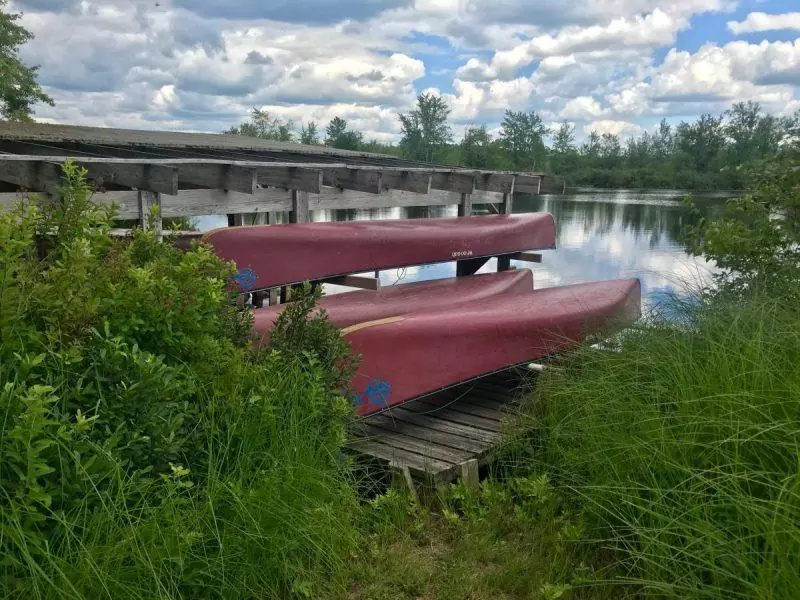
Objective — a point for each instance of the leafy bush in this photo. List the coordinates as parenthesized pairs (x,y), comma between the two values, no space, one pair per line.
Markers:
(756,243)
(141,433)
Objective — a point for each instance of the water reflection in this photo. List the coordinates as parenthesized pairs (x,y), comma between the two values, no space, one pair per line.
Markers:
(601,235)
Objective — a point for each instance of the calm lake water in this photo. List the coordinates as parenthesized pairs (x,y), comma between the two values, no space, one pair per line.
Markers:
(601,235)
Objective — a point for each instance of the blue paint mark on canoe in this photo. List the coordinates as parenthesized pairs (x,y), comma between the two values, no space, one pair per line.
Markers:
(245,278)
(378,392)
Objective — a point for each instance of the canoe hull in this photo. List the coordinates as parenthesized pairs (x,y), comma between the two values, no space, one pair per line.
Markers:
(272,255)
(409,356)
(349,308)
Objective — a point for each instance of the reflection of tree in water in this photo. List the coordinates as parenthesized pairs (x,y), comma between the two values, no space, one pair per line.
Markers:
(662,221)
(366,214)
(659,218)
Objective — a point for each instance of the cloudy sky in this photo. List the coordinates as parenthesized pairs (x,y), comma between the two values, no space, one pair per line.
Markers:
(612,65)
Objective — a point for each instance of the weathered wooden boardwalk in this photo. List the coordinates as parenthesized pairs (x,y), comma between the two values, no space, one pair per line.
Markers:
(444,436)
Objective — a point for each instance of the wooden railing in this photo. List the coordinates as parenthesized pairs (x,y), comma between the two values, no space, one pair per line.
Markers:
(194,187)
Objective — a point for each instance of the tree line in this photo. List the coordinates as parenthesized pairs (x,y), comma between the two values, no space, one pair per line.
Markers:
(708,153)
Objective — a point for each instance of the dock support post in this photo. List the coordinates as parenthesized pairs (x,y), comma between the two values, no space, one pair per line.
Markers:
(150,212)
(469,474)
(404,474)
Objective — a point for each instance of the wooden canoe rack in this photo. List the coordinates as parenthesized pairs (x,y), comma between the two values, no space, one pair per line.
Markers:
(443,437)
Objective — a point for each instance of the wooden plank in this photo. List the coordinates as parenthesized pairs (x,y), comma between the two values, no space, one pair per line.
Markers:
(435,423)
(527,184)
(421,447)
(461,442)
(453,181)
(362,180)
(291,178)
(363,283)
(486,412)
(219,202)
(419,465)
(418,182)
(230,177)
(495,182)
(332,198)
(455,416)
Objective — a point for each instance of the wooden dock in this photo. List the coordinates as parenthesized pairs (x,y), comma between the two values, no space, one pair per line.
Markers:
(445,436)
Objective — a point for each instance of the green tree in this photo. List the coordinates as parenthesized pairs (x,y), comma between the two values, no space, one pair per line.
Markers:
(476,148)
(522,135)
(308,134)
(701,142)
(337,135)
(261,125)
(753,134)
(19,90)
(425,130)
(564,153)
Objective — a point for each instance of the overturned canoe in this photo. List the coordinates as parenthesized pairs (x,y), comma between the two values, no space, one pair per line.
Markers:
(420,352)
(273,255)
(351,308)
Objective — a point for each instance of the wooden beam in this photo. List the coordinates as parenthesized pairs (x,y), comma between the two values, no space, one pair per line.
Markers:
(528,257)
(527,184)
(495,182)
(470,266)
(155,178)
(32,175)
(410,181)
(363,283)
(362,180)
(230,177)
(452,181)
(291,178)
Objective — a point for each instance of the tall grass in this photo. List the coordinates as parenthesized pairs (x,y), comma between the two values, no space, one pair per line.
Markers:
(683,450)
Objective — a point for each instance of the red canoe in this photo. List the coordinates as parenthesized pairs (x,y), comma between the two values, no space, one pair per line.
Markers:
(422,351)
(350,308)
(272,255)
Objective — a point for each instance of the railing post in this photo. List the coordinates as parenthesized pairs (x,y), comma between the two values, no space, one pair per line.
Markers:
(300,212)
(508,199)
(148,215)
(465,206)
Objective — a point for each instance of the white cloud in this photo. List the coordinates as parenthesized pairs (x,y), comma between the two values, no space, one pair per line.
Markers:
(641,31)
(764,72)
(757,22)
(582,108)
(620,128)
